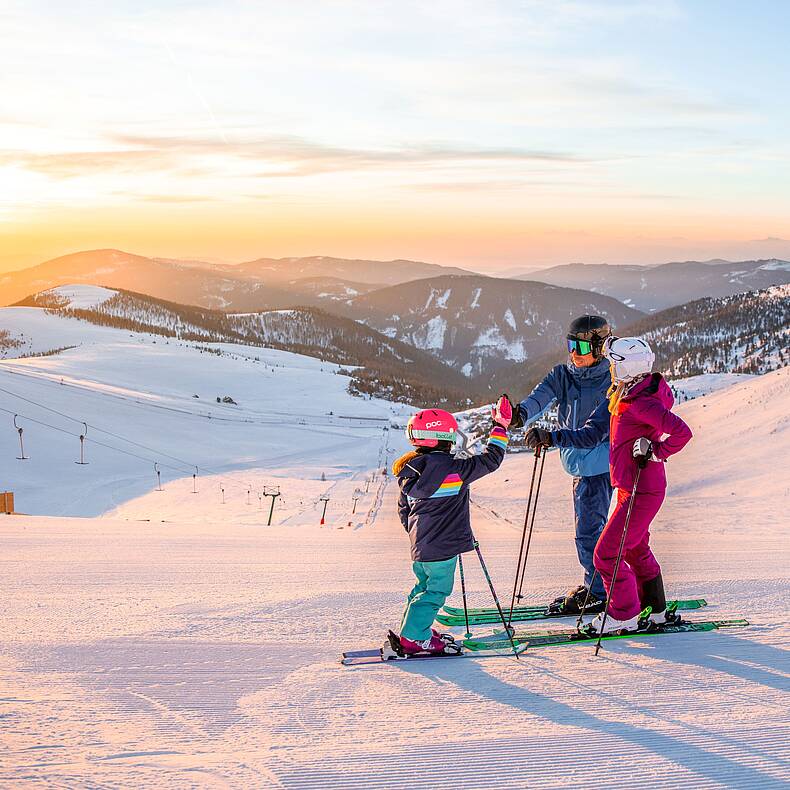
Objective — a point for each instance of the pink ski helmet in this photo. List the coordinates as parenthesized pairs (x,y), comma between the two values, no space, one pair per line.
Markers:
(429,427)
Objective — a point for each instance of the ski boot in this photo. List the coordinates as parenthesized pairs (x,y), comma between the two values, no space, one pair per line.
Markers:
(654,598)
(572,603)
(400,647)
(434,646)
(613,626)
(668,616)
(580,589)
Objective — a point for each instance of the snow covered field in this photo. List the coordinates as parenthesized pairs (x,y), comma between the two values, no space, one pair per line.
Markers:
(136,392)
(175,641)
(697,386)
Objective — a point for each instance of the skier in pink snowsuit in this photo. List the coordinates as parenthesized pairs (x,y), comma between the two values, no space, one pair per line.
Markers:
(641,413)
(642,429)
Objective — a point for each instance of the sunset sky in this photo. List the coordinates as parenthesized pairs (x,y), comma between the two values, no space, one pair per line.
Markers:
(489,135)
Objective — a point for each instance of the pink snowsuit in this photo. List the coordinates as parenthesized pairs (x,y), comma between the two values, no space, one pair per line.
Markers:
(643,411)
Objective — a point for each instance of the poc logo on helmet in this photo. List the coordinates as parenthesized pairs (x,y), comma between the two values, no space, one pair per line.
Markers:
(433,424)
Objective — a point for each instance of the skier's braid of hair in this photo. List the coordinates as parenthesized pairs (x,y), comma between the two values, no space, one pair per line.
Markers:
(615,393)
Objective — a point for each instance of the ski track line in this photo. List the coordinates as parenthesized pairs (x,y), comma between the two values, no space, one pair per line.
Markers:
(532,763)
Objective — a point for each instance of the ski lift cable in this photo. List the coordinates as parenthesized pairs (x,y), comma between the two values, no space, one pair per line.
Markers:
(117,449)
(48,408)
(87,438)
(114,435)
(100,430)
(153,450)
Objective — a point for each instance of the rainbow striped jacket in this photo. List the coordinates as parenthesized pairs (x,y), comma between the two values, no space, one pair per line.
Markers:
(433,504)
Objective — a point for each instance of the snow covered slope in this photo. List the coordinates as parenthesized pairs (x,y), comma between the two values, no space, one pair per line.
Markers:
(203,652)
(75,297)
(148,399)
(381,367)
(697,386)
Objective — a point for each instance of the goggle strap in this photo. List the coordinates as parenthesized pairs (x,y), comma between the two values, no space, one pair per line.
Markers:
(445,436)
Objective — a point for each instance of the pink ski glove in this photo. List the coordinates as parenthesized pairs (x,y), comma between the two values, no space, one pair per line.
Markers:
(502,413)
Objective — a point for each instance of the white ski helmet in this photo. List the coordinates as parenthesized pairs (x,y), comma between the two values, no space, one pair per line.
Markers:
(630,357)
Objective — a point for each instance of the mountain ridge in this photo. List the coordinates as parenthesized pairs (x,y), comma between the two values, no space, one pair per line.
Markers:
(741,333)
(381,366)
(655,287)
(278,283)
(477,324)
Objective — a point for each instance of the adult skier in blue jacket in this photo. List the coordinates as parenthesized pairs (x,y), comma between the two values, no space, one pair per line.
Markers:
(578,387)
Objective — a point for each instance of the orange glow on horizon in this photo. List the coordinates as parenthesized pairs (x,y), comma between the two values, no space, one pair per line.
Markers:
(483,237)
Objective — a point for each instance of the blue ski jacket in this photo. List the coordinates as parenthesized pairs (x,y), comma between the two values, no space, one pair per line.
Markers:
(577,391)
(433,504)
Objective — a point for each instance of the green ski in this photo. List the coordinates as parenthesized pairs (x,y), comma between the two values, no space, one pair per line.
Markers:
(531,639)
(452,615)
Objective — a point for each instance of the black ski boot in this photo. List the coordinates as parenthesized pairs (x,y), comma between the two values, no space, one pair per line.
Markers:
(572,602)
(561,598)
(653,596)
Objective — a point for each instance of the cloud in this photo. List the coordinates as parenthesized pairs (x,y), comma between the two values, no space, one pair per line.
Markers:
(173,198)
(293,149)
(281,156)
(285,155)
(73,164)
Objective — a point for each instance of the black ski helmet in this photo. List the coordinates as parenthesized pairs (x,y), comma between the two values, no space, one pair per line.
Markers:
(594,328)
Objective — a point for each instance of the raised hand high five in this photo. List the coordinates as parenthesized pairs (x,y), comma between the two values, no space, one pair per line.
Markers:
(502,412)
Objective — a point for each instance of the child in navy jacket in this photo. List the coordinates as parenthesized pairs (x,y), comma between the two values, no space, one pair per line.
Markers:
(434,509)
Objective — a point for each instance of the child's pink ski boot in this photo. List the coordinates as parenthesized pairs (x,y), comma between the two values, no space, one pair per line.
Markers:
(433,646)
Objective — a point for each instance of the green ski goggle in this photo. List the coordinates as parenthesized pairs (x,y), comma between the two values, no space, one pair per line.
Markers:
(580,346)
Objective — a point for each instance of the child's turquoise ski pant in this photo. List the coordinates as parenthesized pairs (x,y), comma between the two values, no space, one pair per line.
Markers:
(434,585)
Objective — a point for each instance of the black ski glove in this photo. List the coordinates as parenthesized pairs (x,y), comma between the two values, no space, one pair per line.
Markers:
(537,436)
(516,421)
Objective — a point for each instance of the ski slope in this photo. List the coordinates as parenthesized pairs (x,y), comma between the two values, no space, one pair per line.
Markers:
(149,400)
(173,640)
(696,386)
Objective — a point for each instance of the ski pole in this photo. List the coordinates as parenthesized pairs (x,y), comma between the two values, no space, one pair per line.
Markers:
(508,631)
(524,532)
(468,633)
(619,553)
(531,525)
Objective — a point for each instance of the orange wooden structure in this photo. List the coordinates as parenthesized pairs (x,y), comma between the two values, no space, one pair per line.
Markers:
(7,502)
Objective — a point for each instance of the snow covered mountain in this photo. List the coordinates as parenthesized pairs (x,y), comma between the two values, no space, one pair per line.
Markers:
(377,273)
(650,288)
(744,333)
(478,324)
(258,285)
(382,366)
